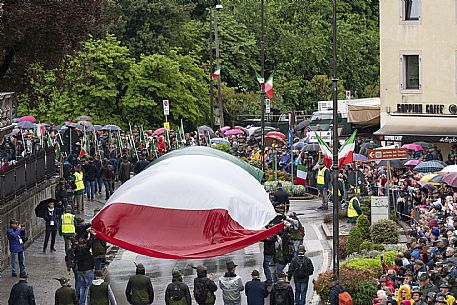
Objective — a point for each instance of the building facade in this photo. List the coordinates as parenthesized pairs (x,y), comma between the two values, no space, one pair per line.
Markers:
(418,84)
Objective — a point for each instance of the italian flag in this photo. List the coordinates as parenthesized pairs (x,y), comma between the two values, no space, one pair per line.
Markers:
(346,152)
(326,152)
(269,87)
(216,73)
(301,174)
(260,79)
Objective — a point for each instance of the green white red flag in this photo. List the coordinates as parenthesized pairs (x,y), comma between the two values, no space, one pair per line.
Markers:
(269,87)
(301,174)
(326,152)
(260,79)
(216,74)
(346,152)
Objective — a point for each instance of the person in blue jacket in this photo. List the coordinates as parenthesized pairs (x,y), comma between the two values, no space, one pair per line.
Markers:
(16,236)
(256,291)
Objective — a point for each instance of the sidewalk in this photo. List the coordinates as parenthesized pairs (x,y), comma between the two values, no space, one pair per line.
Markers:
(43,267)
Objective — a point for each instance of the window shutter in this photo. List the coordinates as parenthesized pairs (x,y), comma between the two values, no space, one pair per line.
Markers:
(402,74)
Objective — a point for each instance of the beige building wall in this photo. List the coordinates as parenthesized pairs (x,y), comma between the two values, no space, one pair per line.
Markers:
(434,37)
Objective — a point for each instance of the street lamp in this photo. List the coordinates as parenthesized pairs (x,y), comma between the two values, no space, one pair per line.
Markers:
(219,92)
(262,87)
(336,228)
(211,104)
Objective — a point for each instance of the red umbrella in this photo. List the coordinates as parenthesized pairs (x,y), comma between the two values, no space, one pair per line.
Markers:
(233,132)
(158,131)
(269,140)
(412,146)
(28,118)
(450,179)
(276,134)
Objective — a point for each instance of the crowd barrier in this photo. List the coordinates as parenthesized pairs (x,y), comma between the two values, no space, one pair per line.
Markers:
(26,174)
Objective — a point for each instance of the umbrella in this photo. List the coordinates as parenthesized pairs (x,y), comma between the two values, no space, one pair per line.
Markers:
(450,169)
(27,118)
(84,118)
(90,129)
(25,125)
(42,207)
(359,157)
(438,179)
(299,145)
(276,134)
(393,163)
(450,179)
(428,167)
(232,132)
(424,145)
(98,127)
(243,129)
(72,125)
(158,132)
(311,147)
(302,125)
(412,146)
(366,146)
(413,162)
(220,141)
(428,177)
(269,140)
(84,123)
(204,130)
(224,129)
(111,128)
(427,185)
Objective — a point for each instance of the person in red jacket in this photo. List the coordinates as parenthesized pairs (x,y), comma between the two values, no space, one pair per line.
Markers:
(384,281)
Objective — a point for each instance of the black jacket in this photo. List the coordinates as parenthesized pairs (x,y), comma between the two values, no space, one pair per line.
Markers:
(335,290)
(140,166)
(51,216)
(298,261)
(84,259)
(280,197)
(90,171)
(256,291)
(21,294)
(269,245)
(284,289)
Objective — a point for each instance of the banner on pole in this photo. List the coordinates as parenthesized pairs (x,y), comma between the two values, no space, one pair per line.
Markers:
(166,125)
(166,107)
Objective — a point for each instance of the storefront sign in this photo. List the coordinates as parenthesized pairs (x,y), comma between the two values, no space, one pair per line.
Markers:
(450,140)
(379,208)
(326,136)
(393,138)
(427,109)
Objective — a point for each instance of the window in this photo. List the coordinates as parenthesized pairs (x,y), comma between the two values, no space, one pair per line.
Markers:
(411,72)
(411,10)
(410,63)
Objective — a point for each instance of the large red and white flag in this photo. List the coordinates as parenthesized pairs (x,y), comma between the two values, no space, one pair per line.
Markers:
(187,207)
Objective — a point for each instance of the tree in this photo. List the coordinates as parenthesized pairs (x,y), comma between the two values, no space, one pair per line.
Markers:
(41,32)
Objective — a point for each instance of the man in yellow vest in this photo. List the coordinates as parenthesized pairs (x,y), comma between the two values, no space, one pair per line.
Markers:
(68,228)
(79,190)
(322,183)
(354,210)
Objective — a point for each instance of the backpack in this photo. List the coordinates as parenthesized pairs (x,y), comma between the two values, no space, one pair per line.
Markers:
(302,270)
(200,292)
(281,297)
(344,298)
(176,293)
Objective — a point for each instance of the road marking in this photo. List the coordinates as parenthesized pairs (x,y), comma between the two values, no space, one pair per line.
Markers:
(325,256)
(318,233)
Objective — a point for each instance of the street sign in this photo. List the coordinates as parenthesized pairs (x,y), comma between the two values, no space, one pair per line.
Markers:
(166,107)
(348,94)
(326,136)
(166,125)
(267,105)
(387,154)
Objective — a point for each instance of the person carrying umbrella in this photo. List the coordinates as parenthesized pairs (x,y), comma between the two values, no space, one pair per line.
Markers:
(50,217)
(323,179)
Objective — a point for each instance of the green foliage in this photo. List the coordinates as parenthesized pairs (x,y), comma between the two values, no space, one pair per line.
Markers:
(351,279)
(388,257)
(364,263)
(368,245)
(223,147)
(355,239)
(364,225)
(342,253)
(384,232)
(364,292)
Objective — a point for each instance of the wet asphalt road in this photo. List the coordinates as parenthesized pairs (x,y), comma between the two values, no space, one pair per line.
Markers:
(122,267)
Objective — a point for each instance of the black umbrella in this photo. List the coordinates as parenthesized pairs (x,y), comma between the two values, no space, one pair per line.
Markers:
(393,163)
(311,147)
(42,207)
(424,145)
(111,128)
(302,125)
(205,130)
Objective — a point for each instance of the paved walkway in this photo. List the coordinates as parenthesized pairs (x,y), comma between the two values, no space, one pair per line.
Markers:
(42,268)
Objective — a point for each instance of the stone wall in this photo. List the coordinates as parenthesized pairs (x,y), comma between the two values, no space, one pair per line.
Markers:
(22,208)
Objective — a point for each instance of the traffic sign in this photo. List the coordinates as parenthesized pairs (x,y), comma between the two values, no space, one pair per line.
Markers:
(166,125)
(387,154)
(166,107)
(267,105)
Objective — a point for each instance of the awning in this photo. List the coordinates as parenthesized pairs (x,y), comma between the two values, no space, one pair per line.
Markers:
(417,130)
(364,111)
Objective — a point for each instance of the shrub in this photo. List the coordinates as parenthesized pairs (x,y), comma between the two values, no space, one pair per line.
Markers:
(384,232)
(366,211)
(364,225)
(355,239)
(342,253)
(388,257)
(298,190)
(368,245)
(364,263)
(364,292)
(349,278)
(223,147)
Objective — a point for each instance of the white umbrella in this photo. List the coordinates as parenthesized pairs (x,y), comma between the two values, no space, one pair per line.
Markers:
(449,169)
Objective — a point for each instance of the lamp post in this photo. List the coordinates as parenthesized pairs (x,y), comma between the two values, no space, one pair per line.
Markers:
(211,94)
(262,87)
(336,228)
(219,92)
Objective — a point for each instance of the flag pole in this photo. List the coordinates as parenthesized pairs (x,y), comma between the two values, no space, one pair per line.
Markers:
(133,141)
(262,87)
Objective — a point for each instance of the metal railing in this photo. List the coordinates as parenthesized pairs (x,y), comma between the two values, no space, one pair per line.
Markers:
(26,174)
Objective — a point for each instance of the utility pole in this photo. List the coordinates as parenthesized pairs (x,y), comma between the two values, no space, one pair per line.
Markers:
(211,94)
(219,89)
(262,86)
(336,224)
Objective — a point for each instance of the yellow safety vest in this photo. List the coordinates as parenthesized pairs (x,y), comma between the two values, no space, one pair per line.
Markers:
(321,176)
(79,181)
(68,223)
(351,211)
(342,182)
